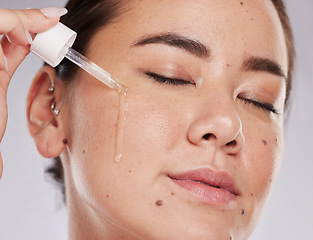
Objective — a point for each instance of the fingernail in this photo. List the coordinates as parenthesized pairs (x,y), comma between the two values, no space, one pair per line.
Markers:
(53,12)
(6,65)
(29,37)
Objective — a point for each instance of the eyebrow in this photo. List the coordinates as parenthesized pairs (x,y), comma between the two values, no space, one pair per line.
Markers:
(194,47)
(263,65)
(175,40)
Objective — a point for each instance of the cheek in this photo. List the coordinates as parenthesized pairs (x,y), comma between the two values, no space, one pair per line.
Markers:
(149,129)
(153,126)
(91,127)
(262,158)
(258,166)
(146,128)
(94,123)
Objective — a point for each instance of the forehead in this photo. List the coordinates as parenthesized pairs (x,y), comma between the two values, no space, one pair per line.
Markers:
(198,12)
(239,27)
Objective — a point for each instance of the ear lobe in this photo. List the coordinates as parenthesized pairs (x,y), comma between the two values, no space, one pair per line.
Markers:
(44,126)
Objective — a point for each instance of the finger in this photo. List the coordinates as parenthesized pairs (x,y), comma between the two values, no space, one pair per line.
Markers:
(39,20)
(1,165)
(17,21)
(3,61)
(15,46)
(4,79)
(13,55)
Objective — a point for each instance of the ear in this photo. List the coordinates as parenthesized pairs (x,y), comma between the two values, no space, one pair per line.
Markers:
(44,125)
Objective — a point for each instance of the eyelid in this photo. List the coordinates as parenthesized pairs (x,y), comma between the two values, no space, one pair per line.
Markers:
(259,104)
(168,79)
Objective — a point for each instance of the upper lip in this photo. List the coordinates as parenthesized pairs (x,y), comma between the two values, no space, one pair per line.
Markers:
(220,180)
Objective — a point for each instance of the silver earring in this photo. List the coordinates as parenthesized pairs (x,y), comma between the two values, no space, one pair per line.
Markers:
(51,88)
(53,105)
(55,111)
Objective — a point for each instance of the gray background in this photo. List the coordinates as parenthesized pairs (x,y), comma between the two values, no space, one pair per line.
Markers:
(30,206)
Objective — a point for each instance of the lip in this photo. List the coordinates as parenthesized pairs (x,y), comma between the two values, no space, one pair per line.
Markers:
(210,186)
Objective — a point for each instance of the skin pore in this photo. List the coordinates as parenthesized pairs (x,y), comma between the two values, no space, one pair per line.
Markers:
(206,91)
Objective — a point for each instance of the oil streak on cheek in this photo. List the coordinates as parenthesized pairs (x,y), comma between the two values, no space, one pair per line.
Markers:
(121,120)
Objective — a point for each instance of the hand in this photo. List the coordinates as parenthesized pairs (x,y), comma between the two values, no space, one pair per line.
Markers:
(16,25)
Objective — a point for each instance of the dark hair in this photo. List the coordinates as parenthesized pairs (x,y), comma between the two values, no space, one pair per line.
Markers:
(86,17)
(282,13)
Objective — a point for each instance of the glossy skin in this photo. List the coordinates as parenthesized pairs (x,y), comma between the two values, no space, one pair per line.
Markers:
(167,125)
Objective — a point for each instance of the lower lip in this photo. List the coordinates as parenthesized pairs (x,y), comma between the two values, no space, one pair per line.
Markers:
(207,193)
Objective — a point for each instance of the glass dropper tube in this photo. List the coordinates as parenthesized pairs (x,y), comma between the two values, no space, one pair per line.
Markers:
(94,70)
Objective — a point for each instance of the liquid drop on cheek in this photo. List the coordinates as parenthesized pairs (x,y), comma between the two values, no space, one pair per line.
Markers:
(121,121)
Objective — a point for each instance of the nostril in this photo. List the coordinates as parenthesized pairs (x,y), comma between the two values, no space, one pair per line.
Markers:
(207,136)
(232,143)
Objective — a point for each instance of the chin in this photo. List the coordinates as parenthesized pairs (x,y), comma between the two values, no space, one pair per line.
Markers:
(211,229)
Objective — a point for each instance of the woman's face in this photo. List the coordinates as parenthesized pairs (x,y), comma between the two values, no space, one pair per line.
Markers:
(200,130)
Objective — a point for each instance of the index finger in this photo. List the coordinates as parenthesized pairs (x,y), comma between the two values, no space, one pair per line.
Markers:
(17,21)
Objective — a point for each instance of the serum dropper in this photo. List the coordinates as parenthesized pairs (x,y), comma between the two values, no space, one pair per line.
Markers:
(56,43)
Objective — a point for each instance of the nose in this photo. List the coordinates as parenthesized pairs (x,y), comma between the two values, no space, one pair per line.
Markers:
(218,124)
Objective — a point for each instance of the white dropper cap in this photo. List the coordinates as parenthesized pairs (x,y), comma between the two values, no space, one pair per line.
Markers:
(53,44)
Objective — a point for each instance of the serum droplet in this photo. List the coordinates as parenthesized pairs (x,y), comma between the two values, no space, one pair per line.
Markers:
(121,120)
(118,158)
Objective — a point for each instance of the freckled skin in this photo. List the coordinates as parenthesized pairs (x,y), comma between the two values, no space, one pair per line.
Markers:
(166,123)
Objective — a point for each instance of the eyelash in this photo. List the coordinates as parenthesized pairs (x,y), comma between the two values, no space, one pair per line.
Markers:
(167,80)
(178,81)
(263,106)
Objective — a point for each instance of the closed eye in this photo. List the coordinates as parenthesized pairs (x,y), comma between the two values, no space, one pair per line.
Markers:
(168,80)
(263,106)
